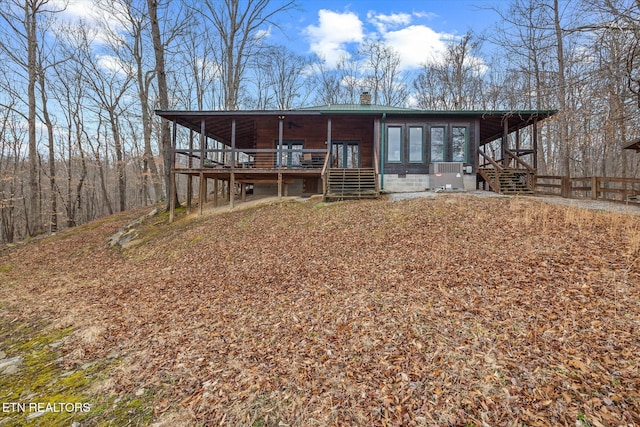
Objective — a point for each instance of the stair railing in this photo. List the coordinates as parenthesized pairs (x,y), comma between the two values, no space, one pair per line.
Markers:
(530,171)
(518,160)
(323,174)
(490,160)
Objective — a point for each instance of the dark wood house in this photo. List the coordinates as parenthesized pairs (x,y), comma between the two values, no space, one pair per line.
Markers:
(355,151)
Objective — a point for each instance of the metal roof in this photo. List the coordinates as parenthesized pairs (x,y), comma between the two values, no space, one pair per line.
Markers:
(357,108)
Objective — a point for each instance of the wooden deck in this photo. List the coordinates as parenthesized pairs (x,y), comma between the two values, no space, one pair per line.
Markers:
(253,173)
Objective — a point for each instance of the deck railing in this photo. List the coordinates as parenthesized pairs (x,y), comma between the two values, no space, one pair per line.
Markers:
(257,158)
(594,187)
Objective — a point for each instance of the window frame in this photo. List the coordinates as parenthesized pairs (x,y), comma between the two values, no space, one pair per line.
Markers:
(422,158)
(444,143)
(465,143)
(400,145)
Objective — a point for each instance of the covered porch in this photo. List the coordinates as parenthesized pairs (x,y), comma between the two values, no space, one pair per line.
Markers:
(508,152)
(275,152)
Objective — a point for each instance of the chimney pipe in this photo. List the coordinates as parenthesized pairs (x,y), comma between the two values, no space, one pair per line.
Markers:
(365,98)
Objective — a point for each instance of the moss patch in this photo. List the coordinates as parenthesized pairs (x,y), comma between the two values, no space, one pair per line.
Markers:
(43,393)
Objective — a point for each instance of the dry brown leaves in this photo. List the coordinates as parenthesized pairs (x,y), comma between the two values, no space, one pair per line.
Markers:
(446,311)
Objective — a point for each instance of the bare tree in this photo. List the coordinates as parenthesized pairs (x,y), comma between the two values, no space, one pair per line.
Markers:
(239,24)
(70,92)
(109,92)
(383,77)
(160,41)
(22,20)
(199,81)
(283,77)
(11,171)
(623,17)
(134,29)
(327,83)
(455,81)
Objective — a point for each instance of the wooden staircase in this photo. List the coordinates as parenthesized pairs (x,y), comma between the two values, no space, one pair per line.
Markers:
(344,184)
(508,181)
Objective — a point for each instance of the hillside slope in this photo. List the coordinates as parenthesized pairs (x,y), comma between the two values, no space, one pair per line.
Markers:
(454,310)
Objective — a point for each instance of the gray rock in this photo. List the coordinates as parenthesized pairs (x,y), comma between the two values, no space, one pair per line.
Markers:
(10,366)
(10,370)
(128,233)
(35,415)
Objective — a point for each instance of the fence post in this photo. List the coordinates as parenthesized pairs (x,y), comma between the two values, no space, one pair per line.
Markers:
(533,180)
(566,187)
(594,187)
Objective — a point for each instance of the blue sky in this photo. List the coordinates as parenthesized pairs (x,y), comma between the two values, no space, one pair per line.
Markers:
(417,30)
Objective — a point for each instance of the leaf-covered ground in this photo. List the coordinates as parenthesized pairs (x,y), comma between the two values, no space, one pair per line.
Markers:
(448,311)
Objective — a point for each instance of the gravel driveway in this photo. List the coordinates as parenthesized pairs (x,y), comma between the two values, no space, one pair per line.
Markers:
(631,208)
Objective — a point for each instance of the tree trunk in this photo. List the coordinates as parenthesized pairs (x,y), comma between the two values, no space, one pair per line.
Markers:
(149,168)
(34,222)
(163,93)
(565,146)
(120,165)
(53,225)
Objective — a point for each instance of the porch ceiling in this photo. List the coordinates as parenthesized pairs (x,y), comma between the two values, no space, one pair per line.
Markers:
(492,123)
(218,123)
(633,145)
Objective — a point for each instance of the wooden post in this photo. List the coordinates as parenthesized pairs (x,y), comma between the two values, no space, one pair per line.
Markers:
(233,144)
(203,153)
(280,135)
(535,144)
(505,134)
(202,192)
(279,185)
(533,182)
(215,193)
(172,196)
(243,191)
(566,187)
(594,188)
(190,177)
(329,141)
(232,189)
(189,192)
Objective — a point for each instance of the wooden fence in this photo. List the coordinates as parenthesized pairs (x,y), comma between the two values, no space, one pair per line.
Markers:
(594,187)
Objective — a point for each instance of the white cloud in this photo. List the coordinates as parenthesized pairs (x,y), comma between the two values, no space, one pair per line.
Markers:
(113,64)
(329,39)
(384,22)
(80,9)
(417,45)
(336,34)
(105,20)
(262,34)
(426,15)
